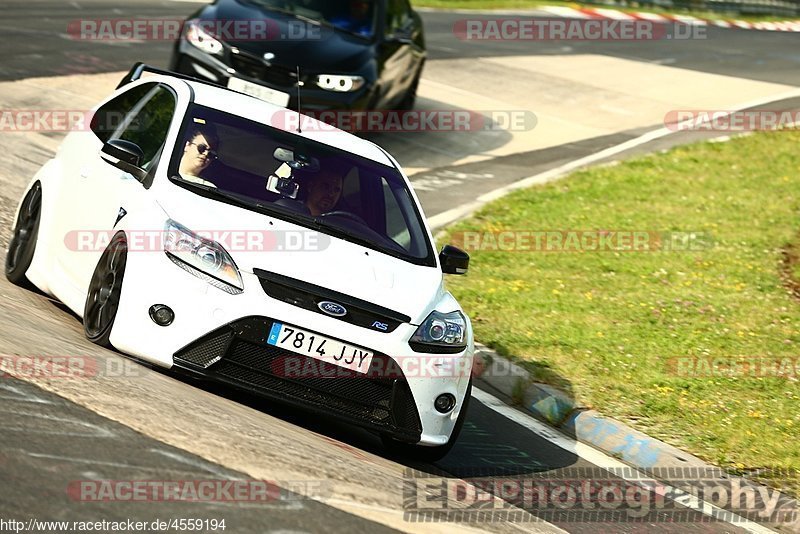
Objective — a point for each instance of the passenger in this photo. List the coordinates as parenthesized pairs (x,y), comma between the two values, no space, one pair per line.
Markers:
(199,153)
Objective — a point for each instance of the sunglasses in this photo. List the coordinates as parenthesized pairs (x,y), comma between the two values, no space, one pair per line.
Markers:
(202,148)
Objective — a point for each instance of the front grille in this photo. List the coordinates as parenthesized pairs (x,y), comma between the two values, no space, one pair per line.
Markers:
(255,68)
(238,354)
(309,296)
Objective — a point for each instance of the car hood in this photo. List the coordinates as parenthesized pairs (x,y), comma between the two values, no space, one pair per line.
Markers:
(329,50)
(258,241)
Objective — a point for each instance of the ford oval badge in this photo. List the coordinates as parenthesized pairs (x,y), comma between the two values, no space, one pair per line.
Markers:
(331,308)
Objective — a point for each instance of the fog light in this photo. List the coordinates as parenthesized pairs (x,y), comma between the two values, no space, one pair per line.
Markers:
(161,315)
(444,403)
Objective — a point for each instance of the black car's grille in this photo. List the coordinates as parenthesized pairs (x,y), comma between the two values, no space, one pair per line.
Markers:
(309,296)
(238,354)
(254,67)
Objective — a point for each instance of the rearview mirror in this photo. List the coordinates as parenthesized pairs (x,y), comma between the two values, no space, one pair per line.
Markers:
(296,160)
(453,260)
(124,155)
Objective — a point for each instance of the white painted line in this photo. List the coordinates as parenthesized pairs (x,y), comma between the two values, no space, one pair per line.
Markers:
(437,222)
(616,467)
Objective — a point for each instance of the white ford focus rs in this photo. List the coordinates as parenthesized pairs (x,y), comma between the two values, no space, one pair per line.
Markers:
(191,227)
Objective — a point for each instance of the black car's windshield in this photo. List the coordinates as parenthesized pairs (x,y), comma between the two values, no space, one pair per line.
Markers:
(354,16)
(271,171)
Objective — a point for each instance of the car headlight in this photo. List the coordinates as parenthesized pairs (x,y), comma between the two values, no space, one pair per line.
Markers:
(202,39)
(441,333)
(202,257)
(339,83)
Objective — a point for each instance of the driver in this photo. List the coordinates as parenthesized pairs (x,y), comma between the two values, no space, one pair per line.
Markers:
(324,192)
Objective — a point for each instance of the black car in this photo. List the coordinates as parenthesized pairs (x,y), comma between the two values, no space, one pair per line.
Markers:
(352,54)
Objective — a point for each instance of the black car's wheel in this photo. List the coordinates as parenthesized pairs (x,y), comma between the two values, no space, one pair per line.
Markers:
(102,300)
(23,242)
(407,104)
(430,454)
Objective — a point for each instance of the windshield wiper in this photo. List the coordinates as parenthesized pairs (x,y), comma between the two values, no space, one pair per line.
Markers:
(338,231)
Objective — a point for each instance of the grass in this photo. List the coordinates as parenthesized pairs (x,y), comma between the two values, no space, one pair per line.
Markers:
(533,4)
(606,325)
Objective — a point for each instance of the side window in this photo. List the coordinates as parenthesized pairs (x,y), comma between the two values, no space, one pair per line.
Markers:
(149,123)
(114,112)
(398,15)
(396,227)
(141,115)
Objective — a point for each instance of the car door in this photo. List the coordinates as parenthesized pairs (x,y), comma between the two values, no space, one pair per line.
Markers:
(399,54)
(103,194)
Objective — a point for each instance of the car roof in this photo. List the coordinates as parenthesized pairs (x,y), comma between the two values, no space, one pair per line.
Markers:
(254,109)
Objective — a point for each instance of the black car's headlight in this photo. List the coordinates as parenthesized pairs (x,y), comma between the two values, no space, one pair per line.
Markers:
(202,257)
(202,39)
(441,333)
(340,83)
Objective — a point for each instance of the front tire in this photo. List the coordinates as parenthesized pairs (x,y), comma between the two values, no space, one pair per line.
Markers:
(23,243)
(430,454)
(410,98)
(105,288)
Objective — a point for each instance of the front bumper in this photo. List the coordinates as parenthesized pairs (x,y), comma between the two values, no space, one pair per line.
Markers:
(238,354)
(232,328)
(219,69)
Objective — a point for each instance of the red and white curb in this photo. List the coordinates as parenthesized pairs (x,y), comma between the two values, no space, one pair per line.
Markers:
(615,14)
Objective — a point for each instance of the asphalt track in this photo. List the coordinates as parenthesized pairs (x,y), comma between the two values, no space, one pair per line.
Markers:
(141,424)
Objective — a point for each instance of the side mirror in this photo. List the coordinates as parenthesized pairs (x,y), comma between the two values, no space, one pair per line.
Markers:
(124,155)
(453,260)
(400,37)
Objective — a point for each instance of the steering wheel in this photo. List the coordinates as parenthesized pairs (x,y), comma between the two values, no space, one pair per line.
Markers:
(345,215)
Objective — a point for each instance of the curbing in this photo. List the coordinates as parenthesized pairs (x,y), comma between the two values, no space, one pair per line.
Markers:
(559,410)
(642,452)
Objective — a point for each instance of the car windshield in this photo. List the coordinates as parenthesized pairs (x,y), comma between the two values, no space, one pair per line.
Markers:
(354,16)
(236,160)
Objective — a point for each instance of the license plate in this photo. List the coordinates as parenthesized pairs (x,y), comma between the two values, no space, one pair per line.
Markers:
(322,348)
(259,91)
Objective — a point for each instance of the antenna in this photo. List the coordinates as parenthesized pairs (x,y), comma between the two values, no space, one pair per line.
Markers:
(299,85)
